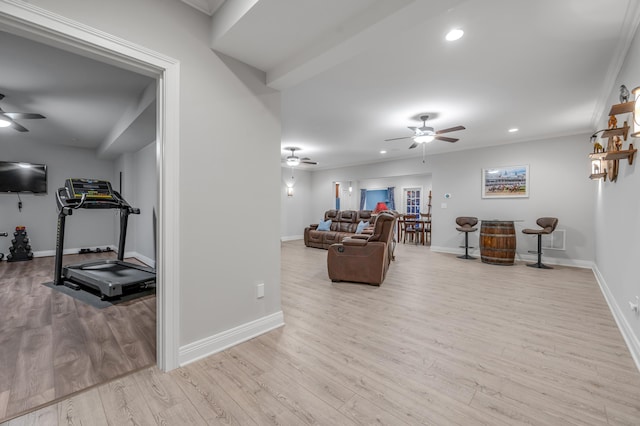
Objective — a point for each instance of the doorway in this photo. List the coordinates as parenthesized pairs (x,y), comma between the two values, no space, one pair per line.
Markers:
(39,25)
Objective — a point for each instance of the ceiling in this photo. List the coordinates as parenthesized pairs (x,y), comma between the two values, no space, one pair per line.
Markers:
(86,103)
(355,73)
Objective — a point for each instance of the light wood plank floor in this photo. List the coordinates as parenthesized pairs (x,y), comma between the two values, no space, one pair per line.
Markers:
(443,341)
(52,345)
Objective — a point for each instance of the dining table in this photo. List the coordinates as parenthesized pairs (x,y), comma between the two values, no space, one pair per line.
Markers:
(425,227)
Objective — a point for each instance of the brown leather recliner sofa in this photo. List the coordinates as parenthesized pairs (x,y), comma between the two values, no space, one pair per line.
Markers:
(343,224)
(361,258)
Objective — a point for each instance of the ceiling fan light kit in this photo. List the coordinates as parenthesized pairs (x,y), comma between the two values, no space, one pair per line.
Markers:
(454,34)
(424,138)
(293,160)
(426,134)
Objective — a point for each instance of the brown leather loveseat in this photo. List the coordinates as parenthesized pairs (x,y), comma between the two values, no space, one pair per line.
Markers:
(361,258)
(343,224)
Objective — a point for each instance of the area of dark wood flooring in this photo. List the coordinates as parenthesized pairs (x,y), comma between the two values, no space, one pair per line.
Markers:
(52,345)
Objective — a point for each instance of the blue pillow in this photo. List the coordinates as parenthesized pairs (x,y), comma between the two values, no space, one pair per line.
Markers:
(324,225)
(361,226)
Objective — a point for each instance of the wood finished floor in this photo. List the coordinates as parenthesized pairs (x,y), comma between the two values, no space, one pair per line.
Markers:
(443,341)
(52,345)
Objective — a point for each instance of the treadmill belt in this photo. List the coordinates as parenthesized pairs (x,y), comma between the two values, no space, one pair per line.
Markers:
(117,274)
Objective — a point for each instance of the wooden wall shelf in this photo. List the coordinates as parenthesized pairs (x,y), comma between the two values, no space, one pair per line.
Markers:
(618,131)
(598,176)
(615,155)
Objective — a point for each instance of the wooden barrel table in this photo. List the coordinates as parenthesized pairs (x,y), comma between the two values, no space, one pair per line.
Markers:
(497,242)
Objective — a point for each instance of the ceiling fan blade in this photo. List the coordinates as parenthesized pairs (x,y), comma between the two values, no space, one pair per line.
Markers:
(313,163)
(397,139)
(413,145)
(413,129)
(450,129)
(446,139)
(23,115)
(18,127)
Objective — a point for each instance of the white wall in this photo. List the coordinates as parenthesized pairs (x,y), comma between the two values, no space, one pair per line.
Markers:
(296,209)
(140,189)
(222,103)
(558,169)
(617,214)
(558,187)
(147,201)
(85,228)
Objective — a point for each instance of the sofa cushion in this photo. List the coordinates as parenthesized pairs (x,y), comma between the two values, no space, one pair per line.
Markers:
(329,238)
(324,225)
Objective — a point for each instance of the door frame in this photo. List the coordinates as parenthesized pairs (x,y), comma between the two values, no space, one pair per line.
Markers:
(26,20)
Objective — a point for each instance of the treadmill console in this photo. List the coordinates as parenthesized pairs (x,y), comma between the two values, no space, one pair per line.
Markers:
(89,194)
(92,189)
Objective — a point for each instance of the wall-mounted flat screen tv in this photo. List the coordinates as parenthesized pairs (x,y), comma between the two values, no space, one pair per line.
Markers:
(23,177)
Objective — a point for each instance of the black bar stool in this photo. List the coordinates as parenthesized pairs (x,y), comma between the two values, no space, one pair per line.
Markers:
(548,225)
(466,224)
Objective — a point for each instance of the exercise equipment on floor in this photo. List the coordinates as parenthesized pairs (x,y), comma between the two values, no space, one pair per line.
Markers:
(110,277)
(20,249)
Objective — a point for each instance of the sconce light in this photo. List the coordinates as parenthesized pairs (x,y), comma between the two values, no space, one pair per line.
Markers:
(635,131)
(290,191)
(350,188)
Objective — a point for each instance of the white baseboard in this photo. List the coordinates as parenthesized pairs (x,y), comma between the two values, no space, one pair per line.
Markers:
(623,325)
(141,257)
(292,238)
(221,341)
(576,263)
(48,253)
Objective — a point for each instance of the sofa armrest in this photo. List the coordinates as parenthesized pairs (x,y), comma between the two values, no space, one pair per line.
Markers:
(360,236)
(313,226)
(352,241)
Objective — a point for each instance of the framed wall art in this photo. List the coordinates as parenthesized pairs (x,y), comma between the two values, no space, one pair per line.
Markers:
(505,182)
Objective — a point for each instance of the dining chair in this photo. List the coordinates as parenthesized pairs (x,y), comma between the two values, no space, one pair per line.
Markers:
(426,217)
(409,227)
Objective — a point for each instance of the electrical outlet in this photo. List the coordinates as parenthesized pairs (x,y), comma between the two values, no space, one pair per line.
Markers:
(443,205)
(635,307)
(260,291)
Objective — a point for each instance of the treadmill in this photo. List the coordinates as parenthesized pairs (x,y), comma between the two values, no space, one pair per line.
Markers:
(112,278)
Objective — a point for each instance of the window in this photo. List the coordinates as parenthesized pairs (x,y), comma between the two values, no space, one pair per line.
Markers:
(374,197)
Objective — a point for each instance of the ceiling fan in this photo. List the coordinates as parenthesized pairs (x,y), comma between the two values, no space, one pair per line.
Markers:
(293,160)
(7,119)
(427,134)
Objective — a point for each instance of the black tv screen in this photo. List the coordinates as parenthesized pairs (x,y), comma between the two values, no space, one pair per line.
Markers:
(23,177)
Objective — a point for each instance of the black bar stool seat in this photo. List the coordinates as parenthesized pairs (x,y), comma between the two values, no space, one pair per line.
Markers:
(548,225)
(466,224)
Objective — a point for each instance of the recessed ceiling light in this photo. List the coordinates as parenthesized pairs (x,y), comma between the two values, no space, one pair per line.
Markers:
(513,130)
(454,34)
(383,152)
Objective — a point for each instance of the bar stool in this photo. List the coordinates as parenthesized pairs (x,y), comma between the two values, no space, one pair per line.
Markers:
(466,224)
(548,225)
